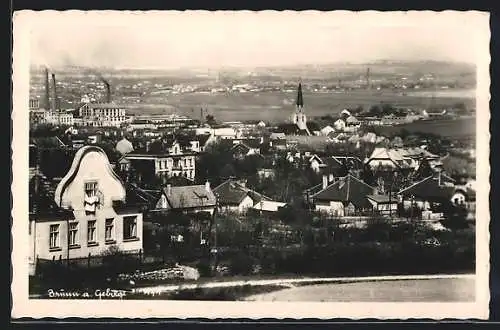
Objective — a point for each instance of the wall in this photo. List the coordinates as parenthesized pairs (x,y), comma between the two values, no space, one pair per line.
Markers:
(245,204)
(41,233)
(335,208)
(381,162)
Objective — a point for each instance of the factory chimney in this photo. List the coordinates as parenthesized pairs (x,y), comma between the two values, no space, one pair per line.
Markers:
(108,92)
(47,90)
(54,93)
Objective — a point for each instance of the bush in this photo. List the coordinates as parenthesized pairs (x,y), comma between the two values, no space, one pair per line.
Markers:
(204,268)
(241,264)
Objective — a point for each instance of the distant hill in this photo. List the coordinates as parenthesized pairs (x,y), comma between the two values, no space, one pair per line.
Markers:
(333,71)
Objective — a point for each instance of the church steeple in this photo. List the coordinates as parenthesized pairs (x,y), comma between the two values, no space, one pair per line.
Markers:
(300,100)
(299,117)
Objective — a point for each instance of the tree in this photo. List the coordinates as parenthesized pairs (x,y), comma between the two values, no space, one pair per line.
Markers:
(455,216)
(424,170)
(210,119)
(368,176)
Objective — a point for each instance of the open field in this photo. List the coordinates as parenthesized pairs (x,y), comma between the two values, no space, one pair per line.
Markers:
(277,106)
(461,127)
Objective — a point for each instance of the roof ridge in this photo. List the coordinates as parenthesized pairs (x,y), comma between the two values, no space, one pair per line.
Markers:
(416,183)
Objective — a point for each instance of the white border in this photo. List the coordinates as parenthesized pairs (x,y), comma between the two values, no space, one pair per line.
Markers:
(23,307)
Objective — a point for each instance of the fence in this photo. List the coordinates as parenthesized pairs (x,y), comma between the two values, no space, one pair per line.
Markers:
(119,261)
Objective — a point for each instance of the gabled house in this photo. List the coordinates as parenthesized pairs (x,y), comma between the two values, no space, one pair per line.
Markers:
(241,150)
(434,190)
(233,196)
(339,125)
(88,212)
(389,158)
(344,196)
(383,204)
(187,199)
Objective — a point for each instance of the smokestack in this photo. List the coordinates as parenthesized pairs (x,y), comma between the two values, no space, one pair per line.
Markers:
(108,92)
(47,90)
(54,93)
(169,189)
(207,186)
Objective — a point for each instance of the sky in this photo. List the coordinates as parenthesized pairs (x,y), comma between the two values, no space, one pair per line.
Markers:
(247,39)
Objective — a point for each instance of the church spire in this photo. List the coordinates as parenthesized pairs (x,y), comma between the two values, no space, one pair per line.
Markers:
(300,100)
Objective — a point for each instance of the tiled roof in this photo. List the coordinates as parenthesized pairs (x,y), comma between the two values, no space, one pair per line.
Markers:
(429,188)
(41,200)
(184,197)
(232,193)
(347,189)
(382,198)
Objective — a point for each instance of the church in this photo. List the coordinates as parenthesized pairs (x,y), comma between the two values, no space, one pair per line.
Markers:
(299,124)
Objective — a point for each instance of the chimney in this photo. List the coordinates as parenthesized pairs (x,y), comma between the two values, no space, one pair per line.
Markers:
(330,178)
(47,90)
(207,186)
(108,92)
(325,181)
(169,189)
(54,93)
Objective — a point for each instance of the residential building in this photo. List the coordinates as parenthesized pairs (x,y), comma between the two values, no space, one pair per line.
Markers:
(187,199)
(172,160)
(389,158)
(384,204)
(233,196)
(339,125)
(268,206)
(436,190)
(344,196)
(86,214)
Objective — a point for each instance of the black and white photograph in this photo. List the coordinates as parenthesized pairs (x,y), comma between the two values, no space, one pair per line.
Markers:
(251,164)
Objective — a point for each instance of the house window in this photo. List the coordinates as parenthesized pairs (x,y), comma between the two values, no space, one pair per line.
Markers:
(91,232)
(73,233)
(54,237)
(91,188)
(109,230)
(129,228)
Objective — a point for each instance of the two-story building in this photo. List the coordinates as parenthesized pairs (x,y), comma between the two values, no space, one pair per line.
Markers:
(172,160)
(102,114)
(86,214)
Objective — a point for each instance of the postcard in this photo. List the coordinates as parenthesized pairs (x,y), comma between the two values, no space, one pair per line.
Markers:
(238,164)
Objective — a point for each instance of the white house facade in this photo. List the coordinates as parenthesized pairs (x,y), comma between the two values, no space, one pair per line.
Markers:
(93,199)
